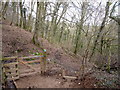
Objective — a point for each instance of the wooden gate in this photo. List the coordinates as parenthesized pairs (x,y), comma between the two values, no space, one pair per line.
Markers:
(11,66)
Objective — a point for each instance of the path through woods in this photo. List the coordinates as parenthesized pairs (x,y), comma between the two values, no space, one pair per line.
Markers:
(16,39)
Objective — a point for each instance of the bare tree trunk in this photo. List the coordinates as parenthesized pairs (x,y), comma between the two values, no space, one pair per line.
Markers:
(17,12)
(61,31)
(24,18)
(5,9)
(21,14)
(14,8)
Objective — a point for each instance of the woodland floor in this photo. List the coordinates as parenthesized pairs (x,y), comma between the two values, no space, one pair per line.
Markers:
(17,39)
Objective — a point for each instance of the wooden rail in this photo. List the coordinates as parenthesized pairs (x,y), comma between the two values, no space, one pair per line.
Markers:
(8,58)
(28,57)
(34,61)
(12,63)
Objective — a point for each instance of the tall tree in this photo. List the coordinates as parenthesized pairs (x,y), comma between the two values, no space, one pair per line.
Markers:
(39,22)
(30,16)
(21,14)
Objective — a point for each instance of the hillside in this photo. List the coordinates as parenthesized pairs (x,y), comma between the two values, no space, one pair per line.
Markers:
(17,39)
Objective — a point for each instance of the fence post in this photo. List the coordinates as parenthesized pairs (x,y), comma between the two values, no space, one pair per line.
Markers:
(4,77)
(17,67)
(43,62)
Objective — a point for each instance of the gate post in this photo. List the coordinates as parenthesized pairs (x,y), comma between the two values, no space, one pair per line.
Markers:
(43,62)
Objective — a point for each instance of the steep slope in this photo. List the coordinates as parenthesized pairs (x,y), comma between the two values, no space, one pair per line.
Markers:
(16,39)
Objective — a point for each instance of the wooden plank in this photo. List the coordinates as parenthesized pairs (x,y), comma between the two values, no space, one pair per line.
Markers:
(27,74)
(15,82)
(8,64)
(31,57)
(70,77)
(12,74)
(14,57)
(8,58)
(13,78)
(11,70)
(32,61)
